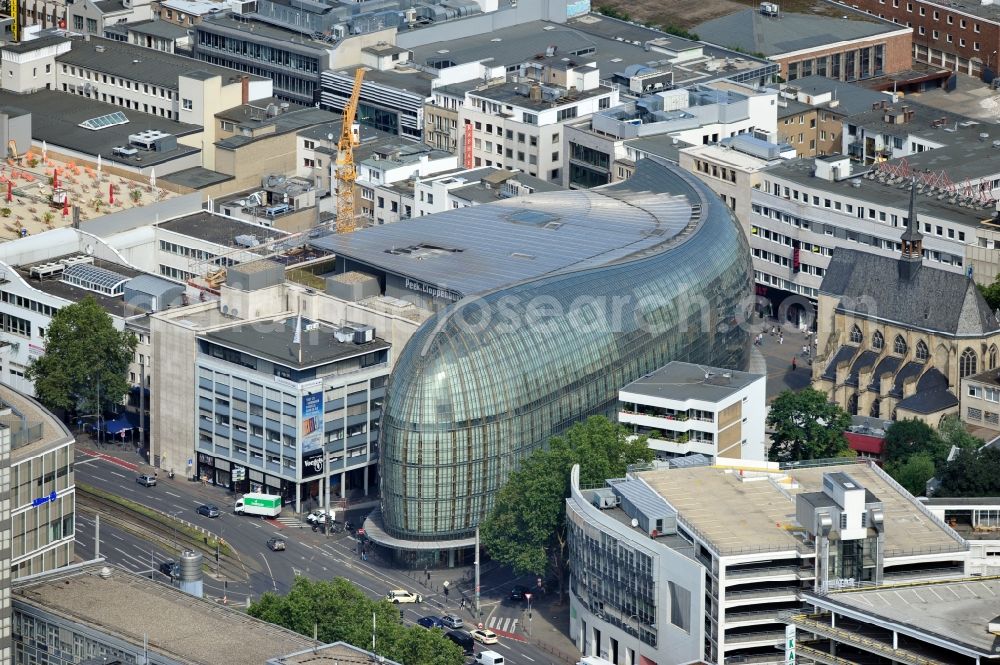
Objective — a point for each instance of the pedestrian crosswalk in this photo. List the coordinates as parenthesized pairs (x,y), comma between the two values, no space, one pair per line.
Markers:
(288,522)
(503,624)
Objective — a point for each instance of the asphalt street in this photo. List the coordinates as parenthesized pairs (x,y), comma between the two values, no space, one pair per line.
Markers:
(310,554)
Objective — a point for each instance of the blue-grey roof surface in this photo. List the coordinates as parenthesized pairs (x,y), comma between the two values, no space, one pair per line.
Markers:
(490,246)
(753,32)
(153,285)
(934,299)
(642,496)
(686,381)
(846,352)
(851,98)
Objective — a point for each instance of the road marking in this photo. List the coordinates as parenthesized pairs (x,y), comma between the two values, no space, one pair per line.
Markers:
(115,535)
(526,657)
(176,496)
(270,574)
(115,473)
(109,458)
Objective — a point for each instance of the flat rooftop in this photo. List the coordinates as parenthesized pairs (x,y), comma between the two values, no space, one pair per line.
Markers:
(53,432)
(735,515)
(477,249)
(517,94)
(137,63)
(606,42)
(682,381)
(800,171)
(131,608)
(953,612)
(114,305)
(219,229)
(274,340)
(157,28)
(56,118)
(294,40)
(751,31)
(407,79)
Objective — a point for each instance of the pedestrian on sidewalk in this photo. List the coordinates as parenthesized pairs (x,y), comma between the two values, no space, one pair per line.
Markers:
(794,367)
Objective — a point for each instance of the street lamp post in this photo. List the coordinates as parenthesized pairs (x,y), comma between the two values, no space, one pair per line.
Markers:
(988,58)
(637,660)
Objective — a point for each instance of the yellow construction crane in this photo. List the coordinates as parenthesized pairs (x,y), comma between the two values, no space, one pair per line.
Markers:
(346,172)
(15,21)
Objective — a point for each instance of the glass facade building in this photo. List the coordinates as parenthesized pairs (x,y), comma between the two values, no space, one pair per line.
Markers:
(490,378)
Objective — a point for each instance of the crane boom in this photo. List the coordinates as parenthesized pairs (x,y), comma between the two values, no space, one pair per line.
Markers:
(346,171)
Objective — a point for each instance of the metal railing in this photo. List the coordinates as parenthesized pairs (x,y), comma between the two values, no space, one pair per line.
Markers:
(737,617)
(762,636)
(859,641)
(762,593)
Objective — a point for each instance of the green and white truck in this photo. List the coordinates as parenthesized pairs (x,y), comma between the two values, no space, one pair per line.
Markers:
(265,505)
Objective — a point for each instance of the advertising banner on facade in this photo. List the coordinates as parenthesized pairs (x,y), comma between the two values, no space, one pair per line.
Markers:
(311,429)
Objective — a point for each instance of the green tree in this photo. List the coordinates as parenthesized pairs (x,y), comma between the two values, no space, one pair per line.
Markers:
(913,472)
(805,425)
(527,527)
(909,437)
(84,355)
(972,473)
(953,433)
(338,611)
(991,293)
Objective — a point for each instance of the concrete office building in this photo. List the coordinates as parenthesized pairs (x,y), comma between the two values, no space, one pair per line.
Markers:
(42,489)
(851,46)
(620,240)
(733,168)
(274,394)
(602,149)
(139,621)
(688,409)
(659,575)
(961,38)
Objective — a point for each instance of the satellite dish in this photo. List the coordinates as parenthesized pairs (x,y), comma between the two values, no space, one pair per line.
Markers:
(225,309)
(234,311)
(89,249)
(329,137)
(635,522)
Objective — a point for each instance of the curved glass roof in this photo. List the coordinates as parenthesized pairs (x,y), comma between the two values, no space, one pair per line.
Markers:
(92,278)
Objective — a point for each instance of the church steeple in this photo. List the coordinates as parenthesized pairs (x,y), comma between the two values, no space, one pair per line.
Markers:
(912,240)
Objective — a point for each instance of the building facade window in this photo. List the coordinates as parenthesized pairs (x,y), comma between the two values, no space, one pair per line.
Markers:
(856,336)
(899,345)
(967,363)
(921,352)
(878,341)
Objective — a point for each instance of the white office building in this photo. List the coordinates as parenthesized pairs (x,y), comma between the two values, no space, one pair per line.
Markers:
(689,409)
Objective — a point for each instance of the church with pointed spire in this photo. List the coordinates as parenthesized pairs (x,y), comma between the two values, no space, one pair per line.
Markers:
(895,337)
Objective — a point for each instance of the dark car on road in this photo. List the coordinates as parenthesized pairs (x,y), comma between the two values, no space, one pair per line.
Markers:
(430,622)
(276,544)
(208,510)
(463,640)
(170,568)
(517,593)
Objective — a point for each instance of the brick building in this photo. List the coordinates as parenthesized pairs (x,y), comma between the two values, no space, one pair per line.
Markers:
(963,38)
(858,48)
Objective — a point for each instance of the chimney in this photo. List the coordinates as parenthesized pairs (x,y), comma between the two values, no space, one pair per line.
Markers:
(245,83)
(535,94)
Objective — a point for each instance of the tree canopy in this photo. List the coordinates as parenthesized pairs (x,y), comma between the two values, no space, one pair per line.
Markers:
(805,425)
(973,472)
(991,293)
(527,527)
(915,452)
(84,354)
(339,611)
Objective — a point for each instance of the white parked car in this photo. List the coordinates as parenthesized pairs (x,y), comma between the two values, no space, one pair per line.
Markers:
(317,517)
(401,596)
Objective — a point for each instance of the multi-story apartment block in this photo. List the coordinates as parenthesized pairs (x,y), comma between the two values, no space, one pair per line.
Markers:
(980,403)
(603,148)
(958,37)
(391,164)
(659,575)
(689,409)
(890,131)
